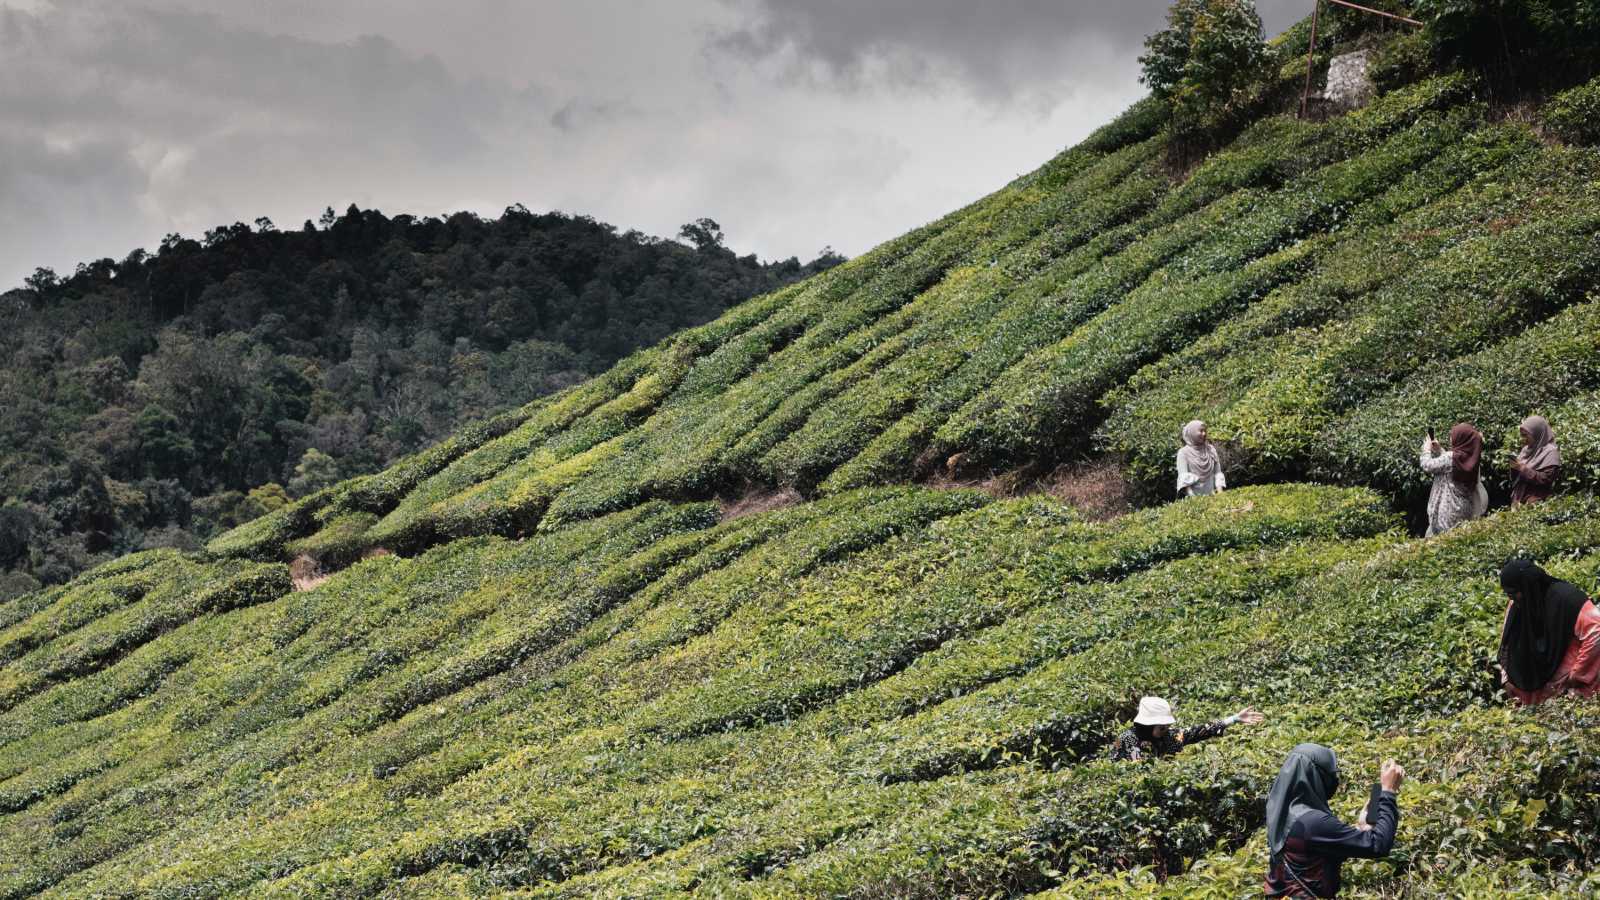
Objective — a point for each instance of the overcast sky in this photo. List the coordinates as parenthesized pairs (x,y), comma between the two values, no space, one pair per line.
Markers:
(794,123)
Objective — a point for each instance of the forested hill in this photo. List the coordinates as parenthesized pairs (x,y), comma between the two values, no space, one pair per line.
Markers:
(156,401)
(755,612)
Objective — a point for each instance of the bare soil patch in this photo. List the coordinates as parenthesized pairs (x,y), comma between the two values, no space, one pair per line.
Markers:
(758,500)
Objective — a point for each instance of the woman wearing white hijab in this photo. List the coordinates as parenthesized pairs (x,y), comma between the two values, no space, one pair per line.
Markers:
(1199,463)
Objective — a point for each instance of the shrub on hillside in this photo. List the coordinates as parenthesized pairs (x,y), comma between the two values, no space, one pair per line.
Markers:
(1521,44)
(1205,62)
(1574,115)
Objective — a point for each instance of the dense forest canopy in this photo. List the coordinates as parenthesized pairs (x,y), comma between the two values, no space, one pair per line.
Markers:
(153,401)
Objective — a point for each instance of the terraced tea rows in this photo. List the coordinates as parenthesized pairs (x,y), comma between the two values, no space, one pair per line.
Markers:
(547,664)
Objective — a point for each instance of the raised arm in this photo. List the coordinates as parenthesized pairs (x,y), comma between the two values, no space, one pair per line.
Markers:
(1206,732)
(1433,459)
(1198,733)
(1328,836)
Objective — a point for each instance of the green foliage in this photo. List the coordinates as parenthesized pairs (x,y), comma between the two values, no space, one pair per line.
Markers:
(1574,115)
(194,376)
(1523,44)
(1472,266)
(1205,61)
(1400,61)
(579,676)
(1494,389)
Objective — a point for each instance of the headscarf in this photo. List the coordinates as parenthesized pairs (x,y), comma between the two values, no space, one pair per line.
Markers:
(1541,452)
(1538,625)
(1308,778)
(1466,447)
(1198,455)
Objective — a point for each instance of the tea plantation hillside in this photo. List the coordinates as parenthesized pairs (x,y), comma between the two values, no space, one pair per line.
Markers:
(548,663)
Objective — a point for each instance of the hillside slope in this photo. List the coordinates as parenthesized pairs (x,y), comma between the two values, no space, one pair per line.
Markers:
(547,665)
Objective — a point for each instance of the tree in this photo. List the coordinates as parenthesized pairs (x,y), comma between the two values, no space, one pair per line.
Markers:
(42,281)
(1205,61)
(315,471)
(702,233)
(1520,44)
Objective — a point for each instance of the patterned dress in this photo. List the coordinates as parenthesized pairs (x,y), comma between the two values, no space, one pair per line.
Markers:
(1128,745)
(1450,504)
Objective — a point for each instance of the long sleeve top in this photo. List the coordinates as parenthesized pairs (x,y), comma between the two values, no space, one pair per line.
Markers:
(1190,484)
(1318,844)
(1128,745)
(1579,672)
(1449,504)
(1529,484)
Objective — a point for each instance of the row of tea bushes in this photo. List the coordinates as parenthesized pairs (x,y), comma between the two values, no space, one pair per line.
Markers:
(1050,396)
(1493,389)
(1282,391)
(1206,377)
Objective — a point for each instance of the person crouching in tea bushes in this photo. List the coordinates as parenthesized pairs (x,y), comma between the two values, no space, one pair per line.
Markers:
(1152,734)
(1307,842)
(1199,463)
(1458,493)
(1550,643)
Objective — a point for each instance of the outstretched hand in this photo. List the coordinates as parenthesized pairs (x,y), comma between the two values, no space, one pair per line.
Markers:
(1249,716)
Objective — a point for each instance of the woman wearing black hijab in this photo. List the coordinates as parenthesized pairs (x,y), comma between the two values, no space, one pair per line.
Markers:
(1307,842)
(1551,641)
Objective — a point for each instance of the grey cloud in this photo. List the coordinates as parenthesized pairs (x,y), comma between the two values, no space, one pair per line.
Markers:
(47,190)
(158,119)
(121,123)
(998,49)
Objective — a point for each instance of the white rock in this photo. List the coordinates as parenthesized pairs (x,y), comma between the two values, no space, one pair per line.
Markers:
(1349,85)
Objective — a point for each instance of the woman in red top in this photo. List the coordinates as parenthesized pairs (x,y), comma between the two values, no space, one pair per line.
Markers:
(1551,641)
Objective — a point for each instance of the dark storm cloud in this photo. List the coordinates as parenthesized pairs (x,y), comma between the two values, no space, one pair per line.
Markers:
(999,48)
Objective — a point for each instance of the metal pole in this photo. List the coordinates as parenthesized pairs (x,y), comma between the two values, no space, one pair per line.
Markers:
(1311,52)
(1376,12)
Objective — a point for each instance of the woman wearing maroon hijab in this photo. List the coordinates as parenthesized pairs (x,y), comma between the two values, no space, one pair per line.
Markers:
(1458,493)
(1550,643)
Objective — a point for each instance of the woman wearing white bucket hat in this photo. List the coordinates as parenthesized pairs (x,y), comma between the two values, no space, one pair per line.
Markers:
(1152,734)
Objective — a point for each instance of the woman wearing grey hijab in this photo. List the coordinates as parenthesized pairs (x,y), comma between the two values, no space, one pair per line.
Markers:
(1538,463)
(1307,843)
(1199,463)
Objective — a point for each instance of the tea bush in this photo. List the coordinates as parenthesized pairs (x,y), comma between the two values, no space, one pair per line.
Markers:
(1493,389)
(1574,114)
